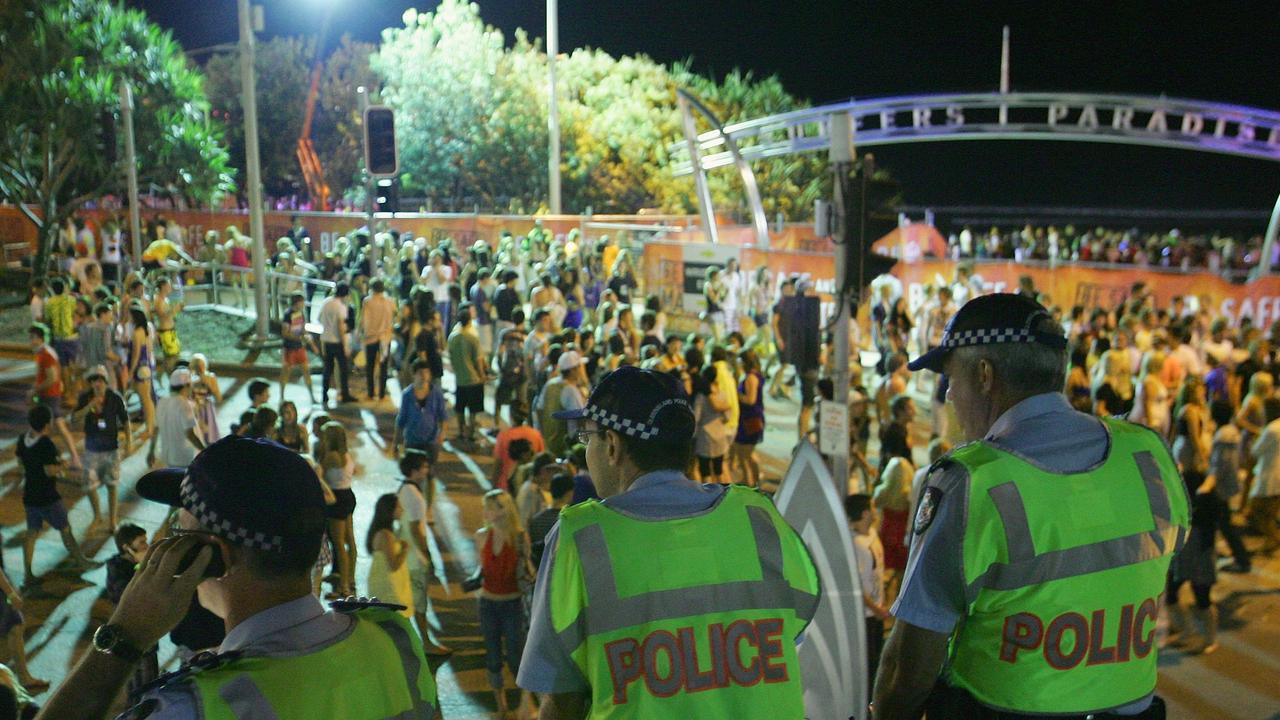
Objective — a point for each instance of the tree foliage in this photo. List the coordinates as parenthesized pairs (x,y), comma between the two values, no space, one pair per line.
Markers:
(60,66)
(283,78)
(472,122)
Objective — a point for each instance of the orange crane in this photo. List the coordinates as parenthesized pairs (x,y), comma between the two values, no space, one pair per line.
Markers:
(312,170)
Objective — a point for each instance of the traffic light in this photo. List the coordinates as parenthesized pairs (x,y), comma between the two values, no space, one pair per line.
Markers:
(872,201)
(386,195)
(380,141)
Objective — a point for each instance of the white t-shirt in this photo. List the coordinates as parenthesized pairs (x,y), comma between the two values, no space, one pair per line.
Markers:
(870,554)
(414,508)
(437,281)
(530,501)
(174,417)
(333,320)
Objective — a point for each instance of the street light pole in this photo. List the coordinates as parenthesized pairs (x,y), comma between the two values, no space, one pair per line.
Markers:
(131,171)
(841,157)
(553,112)
(362,95)
(249,101)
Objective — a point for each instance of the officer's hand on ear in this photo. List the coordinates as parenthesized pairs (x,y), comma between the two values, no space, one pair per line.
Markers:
(156,599)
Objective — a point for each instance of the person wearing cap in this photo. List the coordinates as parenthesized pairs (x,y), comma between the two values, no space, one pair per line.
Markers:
(104,416)
(176,425)
(644,574)
(1040,548)
(563,391)
(250,561)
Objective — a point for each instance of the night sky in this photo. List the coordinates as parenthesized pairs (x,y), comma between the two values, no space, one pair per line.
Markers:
(826,51)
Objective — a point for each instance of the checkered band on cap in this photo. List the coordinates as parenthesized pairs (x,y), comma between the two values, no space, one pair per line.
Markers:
(988,336)
(223,527)
(626,426)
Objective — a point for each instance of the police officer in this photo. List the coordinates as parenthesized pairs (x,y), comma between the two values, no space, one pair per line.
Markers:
(668,598)
(252,516)
(1040,548)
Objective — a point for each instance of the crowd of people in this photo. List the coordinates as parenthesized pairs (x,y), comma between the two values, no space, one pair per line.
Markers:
(1218,252)
(531,325)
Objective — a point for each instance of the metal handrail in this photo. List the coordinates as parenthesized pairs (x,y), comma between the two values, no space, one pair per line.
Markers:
(276,297)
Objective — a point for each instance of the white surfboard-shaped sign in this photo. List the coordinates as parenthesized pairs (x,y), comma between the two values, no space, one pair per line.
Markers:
(833,655)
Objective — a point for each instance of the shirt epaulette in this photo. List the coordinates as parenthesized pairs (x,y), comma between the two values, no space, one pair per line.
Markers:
(351,605)
(200,662)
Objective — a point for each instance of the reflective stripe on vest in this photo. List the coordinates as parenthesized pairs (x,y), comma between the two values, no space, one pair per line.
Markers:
(679,617)
(1064,573)
(1025,567)
(373,687)
(610,612)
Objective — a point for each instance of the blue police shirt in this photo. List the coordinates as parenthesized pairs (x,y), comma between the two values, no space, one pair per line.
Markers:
(1043,429)
(546,666)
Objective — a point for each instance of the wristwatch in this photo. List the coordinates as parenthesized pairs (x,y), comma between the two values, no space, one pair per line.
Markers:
(110,640)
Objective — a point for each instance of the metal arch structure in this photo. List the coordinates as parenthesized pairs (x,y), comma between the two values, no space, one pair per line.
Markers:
(688,103)
(1176,123)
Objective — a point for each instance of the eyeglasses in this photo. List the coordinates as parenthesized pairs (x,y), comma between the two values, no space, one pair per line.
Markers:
(585,435)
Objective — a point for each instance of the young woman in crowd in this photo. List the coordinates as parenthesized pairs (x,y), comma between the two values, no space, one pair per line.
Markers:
(289,432)
(142,365)
(751,422)
(339,467)
(711,435)
(388,572)
(505,566)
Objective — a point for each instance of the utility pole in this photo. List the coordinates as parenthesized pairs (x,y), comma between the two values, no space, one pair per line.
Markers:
(841,158)
(362,94)
(249,100)
(131,171)
(553,112)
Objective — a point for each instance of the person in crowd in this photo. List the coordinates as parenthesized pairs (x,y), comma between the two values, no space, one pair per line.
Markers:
(639,428)
(421,419)
(101,413)
(206,408)
(415,470)
(13,629)
(532,495)
(895,437)
(1195,564)
(1079,387)
(481,298)
(714,292)
(1251,417)
(142,364)
(1224,470)
(166,312)
(255,546)
(512,368)
(41,468)
(291,433)
(60,310)
(96,341)
(869,551)
(892,498)
(200,373)
(506,571)
(1114,392)
(333,320)
(295,340)
(504,464)
(259,392)
(50,385)
(388,579)
(751,422)
(1151,399)
(711,438)
(470,374)
(562,485)
(131,551)
(339,467)
(377,315)
(1006,358)
(177,438)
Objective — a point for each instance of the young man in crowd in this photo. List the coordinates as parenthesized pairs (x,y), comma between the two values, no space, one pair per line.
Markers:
(41,467)
(104,418)
(469,372)
(415,469)
(176,422)
(869,551)
(377,317)
(420,421)
(49,385)
(504,466)
(541,524)
(259,393)
(333,320)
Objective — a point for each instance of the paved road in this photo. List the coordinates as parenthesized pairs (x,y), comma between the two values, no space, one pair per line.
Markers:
(1238,682)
